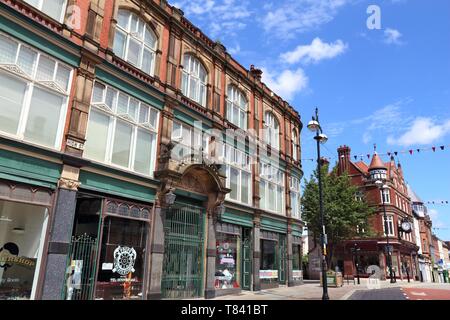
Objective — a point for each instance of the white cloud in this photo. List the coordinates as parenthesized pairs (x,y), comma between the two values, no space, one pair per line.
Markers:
(392,36)
(298,16)
(286,84)
(314,52)
(220,17)
(434,215)
(235,50)
(421,132)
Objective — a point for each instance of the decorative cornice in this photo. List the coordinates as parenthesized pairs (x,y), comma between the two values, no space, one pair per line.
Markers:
(69,184)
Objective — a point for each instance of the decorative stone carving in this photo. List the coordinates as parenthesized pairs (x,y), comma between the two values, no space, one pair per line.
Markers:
(69,184)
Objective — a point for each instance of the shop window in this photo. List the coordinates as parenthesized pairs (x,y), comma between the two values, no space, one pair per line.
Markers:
(121,266)
(228,259)
(135,41)
(55,9)
(269,266)
(22,234)
(33,94)
(121,130)
(296,257)
(238,172)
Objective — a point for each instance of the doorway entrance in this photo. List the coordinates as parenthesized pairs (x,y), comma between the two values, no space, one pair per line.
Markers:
(182,275)
(246,258)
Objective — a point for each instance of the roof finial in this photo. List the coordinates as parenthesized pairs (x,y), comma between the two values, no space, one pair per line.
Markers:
(375,147)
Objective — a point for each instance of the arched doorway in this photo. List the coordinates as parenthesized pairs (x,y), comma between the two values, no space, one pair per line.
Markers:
(187,231)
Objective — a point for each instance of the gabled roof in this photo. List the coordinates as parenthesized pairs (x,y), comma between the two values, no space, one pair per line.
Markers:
(361,166)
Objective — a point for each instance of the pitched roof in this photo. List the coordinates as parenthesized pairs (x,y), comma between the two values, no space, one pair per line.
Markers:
(376,162)
(361,166)
(414,197)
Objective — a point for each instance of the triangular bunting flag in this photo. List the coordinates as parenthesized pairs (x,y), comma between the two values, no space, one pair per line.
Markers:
(395,152)
(442,147)
(410,151)
(356,157)
(434,149)
(368,156)
(418,150)
(389,154)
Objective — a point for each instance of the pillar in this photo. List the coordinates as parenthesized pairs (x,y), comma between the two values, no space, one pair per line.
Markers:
(60,235)
(156,254)
(383,265)
(289,267)
(256,252)
(210,291)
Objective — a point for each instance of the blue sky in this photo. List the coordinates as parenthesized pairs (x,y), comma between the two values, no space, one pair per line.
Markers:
(388,86)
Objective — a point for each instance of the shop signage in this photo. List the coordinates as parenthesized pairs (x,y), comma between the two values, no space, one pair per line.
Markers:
(297,274)
(124,258)
(268,274)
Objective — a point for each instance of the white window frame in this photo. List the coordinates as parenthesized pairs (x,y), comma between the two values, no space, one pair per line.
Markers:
(192,72)
(236,100)
(275,177)
(391,226)
(295,144)
(41,4)
(197,139)
(386,195)
(240,161)
(132,35)
(272,127)
(294,188)
(114,116)
(30,80)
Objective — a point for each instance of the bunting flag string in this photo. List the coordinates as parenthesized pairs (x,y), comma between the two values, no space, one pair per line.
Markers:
(408,151)
(438,202)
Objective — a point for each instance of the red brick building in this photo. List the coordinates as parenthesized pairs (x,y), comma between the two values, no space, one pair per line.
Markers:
(372,251)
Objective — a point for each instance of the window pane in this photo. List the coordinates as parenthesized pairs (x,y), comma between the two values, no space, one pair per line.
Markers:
(63,77)
(97,136)
(122,144)
(143,113)
(8,50)
(279,199)
(234,176)
(193,89)
(133,108)
(184,84)
(150,38)
(122,103)
(245,184)
(143,153)
(45,69)
(54,8)
(119,44)
(262,193)
(176,130)
(27,58)
(134,52)
(272,197)
(147,61)
(97,95)
(154,118)
(202,97)
(111,97)
(243,120)
(123,19)
(43,118)
(12,92)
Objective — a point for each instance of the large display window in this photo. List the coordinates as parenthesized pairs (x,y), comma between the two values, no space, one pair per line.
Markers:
(22,233)
(121,265)
(269,265)
(228,258)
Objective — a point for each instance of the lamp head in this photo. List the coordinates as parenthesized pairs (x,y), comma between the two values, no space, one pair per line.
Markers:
(379,184)
(170,197)
(313,125)
(323,138)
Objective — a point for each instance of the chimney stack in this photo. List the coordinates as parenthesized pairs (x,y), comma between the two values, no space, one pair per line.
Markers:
(257,73)
(344,159)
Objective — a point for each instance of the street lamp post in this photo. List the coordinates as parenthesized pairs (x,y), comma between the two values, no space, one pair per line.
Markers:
(355,251)
(383,187)
(320,137)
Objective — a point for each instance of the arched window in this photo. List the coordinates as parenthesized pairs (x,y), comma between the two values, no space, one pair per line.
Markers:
(193,83)
(272,130)
(237,107)
(294,145)
(135,41)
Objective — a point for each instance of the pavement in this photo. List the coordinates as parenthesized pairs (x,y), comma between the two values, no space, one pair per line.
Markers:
(401,290)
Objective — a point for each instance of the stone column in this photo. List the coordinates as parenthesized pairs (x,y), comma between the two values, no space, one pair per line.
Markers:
(60,235)
(256,252)
(156,254)
(210,291)
(290,276)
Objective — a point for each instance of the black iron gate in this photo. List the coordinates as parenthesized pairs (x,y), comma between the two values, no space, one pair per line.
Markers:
(183,252)
(80,276)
